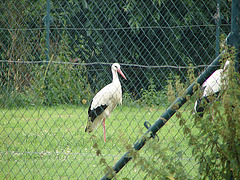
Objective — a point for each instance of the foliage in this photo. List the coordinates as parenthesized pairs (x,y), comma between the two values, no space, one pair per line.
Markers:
(61,84)
(152,97)
(23,39)
(48,85)
(216,142)
(151,33)
(18,43)
(148,97)
(162,164)
(154,33)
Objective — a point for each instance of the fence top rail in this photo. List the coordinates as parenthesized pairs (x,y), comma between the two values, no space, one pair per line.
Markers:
(105,63)
(113,28)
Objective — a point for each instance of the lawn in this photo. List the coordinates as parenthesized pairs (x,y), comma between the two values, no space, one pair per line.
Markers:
(50,142)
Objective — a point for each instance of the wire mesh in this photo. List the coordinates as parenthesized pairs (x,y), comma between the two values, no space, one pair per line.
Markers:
(48,79)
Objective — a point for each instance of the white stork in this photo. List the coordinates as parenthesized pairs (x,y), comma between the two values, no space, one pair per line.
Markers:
(212,86)
(105,101)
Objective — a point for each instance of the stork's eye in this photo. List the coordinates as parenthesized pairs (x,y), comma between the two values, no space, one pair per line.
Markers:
(116,67)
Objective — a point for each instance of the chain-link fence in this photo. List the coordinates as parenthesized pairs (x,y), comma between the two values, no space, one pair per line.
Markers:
(56,55)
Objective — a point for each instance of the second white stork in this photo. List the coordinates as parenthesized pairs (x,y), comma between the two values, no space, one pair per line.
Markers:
(212,86)
(105,101)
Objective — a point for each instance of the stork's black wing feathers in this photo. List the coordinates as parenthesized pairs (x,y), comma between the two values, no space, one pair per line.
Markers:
(93,113)
(203,102)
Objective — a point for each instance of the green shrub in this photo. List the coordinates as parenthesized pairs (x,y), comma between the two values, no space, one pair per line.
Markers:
(59,84)
(151,96)
(161,164)
(216,143)
(15,77)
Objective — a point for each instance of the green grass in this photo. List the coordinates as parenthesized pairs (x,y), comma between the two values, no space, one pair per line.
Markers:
(50,142)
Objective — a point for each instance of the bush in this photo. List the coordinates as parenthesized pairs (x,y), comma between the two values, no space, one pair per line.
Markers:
(161,164)
(15,77)
(216,144)
(59,84)
(149,97)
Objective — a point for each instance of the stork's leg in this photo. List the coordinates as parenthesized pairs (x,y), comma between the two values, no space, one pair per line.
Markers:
(104,130)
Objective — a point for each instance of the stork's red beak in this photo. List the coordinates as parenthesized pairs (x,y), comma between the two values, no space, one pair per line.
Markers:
(120,72)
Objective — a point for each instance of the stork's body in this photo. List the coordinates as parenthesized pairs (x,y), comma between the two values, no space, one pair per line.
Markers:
(105,101)
(212,86)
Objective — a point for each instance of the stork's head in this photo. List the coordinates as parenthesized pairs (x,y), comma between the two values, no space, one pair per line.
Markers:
(116,68)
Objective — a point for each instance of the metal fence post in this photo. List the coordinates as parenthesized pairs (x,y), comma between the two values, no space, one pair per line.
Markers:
(218,23)
(233,38)
(47,24)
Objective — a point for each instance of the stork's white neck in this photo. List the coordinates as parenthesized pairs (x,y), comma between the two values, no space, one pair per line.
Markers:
(115,76)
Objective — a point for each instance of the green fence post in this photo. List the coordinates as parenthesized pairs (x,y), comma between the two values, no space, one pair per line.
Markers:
(217,18)
(233,38)
(47,24)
